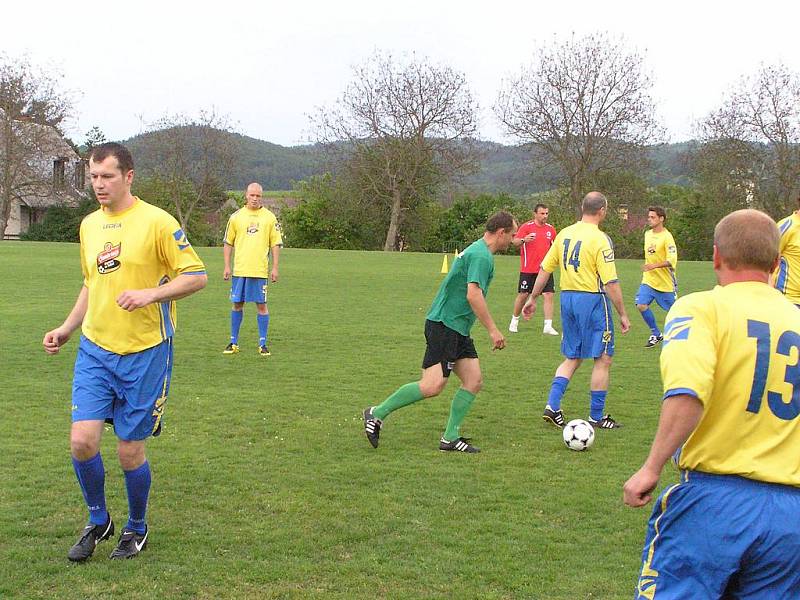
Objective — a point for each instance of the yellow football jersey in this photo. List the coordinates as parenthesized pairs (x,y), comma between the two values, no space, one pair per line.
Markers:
(585,256)
(660,247)
(787,277)
(736,349)
(252,233)
(142,247)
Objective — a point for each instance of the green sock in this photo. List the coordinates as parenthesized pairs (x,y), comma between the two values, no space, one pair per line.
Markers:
(405,395)
(458,410)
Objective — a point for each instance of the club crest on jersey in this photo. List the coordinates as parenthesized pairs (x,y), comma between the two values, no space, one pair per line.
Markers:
(183,241)
(107,260)
(252,229)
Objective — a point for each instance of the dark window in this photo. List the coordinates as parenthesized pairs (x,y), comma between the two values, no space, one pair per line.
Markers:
(79,182)
(59,180)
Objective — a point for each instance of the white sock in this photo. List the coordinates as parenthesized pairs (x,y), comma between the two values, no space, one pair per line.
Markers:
(548,323)
(513,318)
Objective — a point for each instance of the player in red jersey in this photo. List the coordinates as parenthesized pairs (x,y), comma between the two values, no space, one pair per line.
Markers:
(534,239)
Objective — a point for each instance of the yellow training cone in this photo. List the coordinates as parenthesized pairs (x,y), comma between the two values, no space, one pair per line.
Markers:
(445,269)
(455,254)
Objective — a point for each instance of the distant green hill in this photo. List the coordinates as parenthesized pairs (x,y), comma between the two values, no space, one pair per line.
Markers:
(512,169)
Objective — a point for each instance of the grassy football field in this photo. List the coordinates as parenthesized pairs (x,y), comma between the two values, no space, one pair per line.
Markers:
(264,485)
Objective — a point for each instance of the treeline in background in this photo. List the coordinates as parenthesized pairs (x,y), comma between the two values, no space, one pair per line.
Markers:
(397,163)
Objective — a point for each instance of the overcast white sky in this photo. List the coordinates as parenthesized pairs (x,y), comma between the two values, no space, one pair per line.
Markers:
(269,64)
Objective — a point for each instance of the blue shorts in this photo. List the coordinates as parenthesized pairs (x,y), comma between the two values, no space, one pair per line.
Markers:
(587,325)
(646,295)
(128,390)
(722,536)
(249,289)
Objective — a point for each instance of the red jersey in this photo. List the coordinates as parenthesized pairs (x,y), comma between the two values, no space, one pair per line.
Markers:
(532,253)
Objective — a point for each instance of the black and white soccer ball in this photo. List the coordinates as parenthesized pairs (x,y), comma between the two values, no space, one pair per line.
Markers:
(578,435)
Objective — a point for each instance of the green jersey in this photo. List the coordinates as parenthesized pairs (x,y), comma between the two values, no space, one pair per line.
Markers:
(473,265)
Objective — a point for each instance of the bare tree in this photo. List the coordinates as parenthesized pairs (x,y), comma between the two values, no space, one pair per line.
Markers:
(402,129)
(191,158)
(751,144)
(32,110)
(585,105)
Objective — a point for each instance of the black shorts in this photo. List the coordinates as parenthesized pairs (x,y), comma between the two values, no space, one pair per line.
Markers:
(526,281)
(445,346)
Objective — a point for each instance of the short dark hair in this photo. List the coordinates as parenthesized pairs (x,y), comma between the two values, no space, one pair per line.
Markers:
(747,238)
(538,206)
(500,220)
(659,210)
(118,151)
(593,203)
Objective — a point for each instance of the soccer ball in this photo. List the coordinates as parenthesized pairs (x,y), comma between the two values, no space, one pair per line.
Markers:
(578,435)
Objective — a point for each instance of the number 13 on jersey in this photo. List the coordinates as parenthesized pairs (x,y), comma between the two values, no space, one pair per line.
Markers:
(788,340)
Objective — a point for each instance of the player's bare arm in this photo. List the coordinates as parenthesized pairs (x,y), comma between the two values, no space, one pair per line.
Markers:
(276,252)
(530,305)
(662,265)
(180,287)
(517,242)
(478,304)
(55,338)
(679,417)
(614,292)
(227,251)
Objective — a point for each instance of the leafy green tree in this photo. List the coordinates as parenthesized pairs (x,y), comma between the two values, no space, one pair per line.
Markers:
(94,137)
(61,223)
(327,216)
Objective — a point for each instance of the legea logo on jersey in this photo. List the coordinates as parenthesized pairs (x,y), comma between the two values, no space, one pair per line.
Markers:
(252,228)
(107,260)
(608,255)
(651,249)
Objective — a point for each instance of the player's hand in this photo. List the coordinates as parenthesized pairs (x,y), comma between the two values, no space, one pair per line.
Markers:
(638,490)
(530,237)
(498,340)
(226,274)
(274,275)
(130,300)
(54,339)
(528,310)
(624,324)
(645,267)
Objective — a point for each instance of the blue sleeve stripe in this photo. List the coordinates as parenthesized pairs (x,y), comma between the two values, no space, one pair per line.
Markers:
(681,392)
(785,226)
(783,275)
(194,273)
